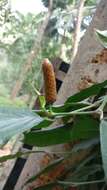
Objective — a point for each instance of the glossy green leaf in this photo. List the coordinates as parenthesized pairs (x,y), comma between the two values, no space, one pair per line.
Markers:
(82,128)
(14,121)
(68,107)
(85,127)
(102,35)
(43,124)
(42,101)
(103,138)
(86,93)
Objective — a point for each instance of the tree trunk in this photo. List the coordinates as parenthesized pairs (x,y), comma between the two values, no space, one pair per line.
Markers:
(78,28)
(83,64)
(34,52)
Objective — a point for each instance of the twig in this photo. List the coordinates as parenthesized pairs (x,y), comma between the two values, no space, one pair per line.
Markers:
(77,29)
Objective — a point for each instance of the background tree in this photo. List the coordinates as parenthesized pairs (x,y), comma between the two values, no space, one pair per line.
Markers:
(19,32)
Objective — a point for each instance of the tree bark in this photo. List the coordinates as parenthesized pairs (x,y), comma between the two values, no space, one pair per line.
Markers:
(34,52)
(83,64)
(78,28)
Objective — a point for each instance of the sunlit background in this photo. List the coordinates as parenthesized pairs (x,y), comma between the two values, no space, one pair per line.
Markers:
(25,6)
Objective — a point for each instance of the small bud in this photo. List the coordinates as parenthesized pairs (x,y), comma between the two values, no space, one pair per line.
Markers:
(49,82)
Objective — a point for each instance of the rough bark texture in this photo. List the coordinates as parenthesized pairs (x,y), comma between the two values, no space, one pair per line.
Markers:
(83,64)
(32,55)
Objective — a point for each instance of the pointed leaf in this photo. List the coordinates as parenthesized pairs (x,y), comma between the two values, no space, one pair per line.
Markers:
(83,128)
(43,124)
(102,35)
(86,93)
(14,121)
(68,107)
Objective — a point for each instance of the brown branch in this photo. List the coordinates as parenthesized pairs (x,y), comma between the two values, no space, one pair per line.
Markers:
(78,28)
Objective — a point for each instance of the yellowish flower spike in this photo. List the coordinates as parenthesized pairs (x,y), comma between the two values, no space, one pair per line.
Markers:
(49,81)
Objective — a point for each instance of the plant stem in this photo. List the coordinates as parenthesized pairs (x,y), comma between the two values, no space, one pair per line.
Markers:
(101,107)
(58,115)
(81,110)
(80,183)
(35,89)
(103,103)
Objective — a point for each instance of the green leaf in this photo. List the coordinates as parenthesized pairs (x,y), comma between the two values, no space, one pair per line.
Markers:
(68,107)
(46,169)
(42,101)
(85,127)
(86,93)
(103,139)
(14,121)
(43,124)
(102,35)
(82,128)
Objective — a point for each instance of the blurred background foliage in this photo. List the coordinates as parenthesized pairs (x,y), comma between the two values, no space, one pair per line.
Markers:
(17,35)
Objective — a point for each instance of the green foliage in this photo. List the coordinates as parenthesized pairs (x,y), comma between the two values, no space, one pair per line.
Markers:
(95,89)
(5,101)
(81,114)
(17,40)
(83,125)
(62,24)
(18,36)
(42,101)
(91,2)
(81,128)
(15,121)
(57,4)
(102,36)
(4,11)
(57,162)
